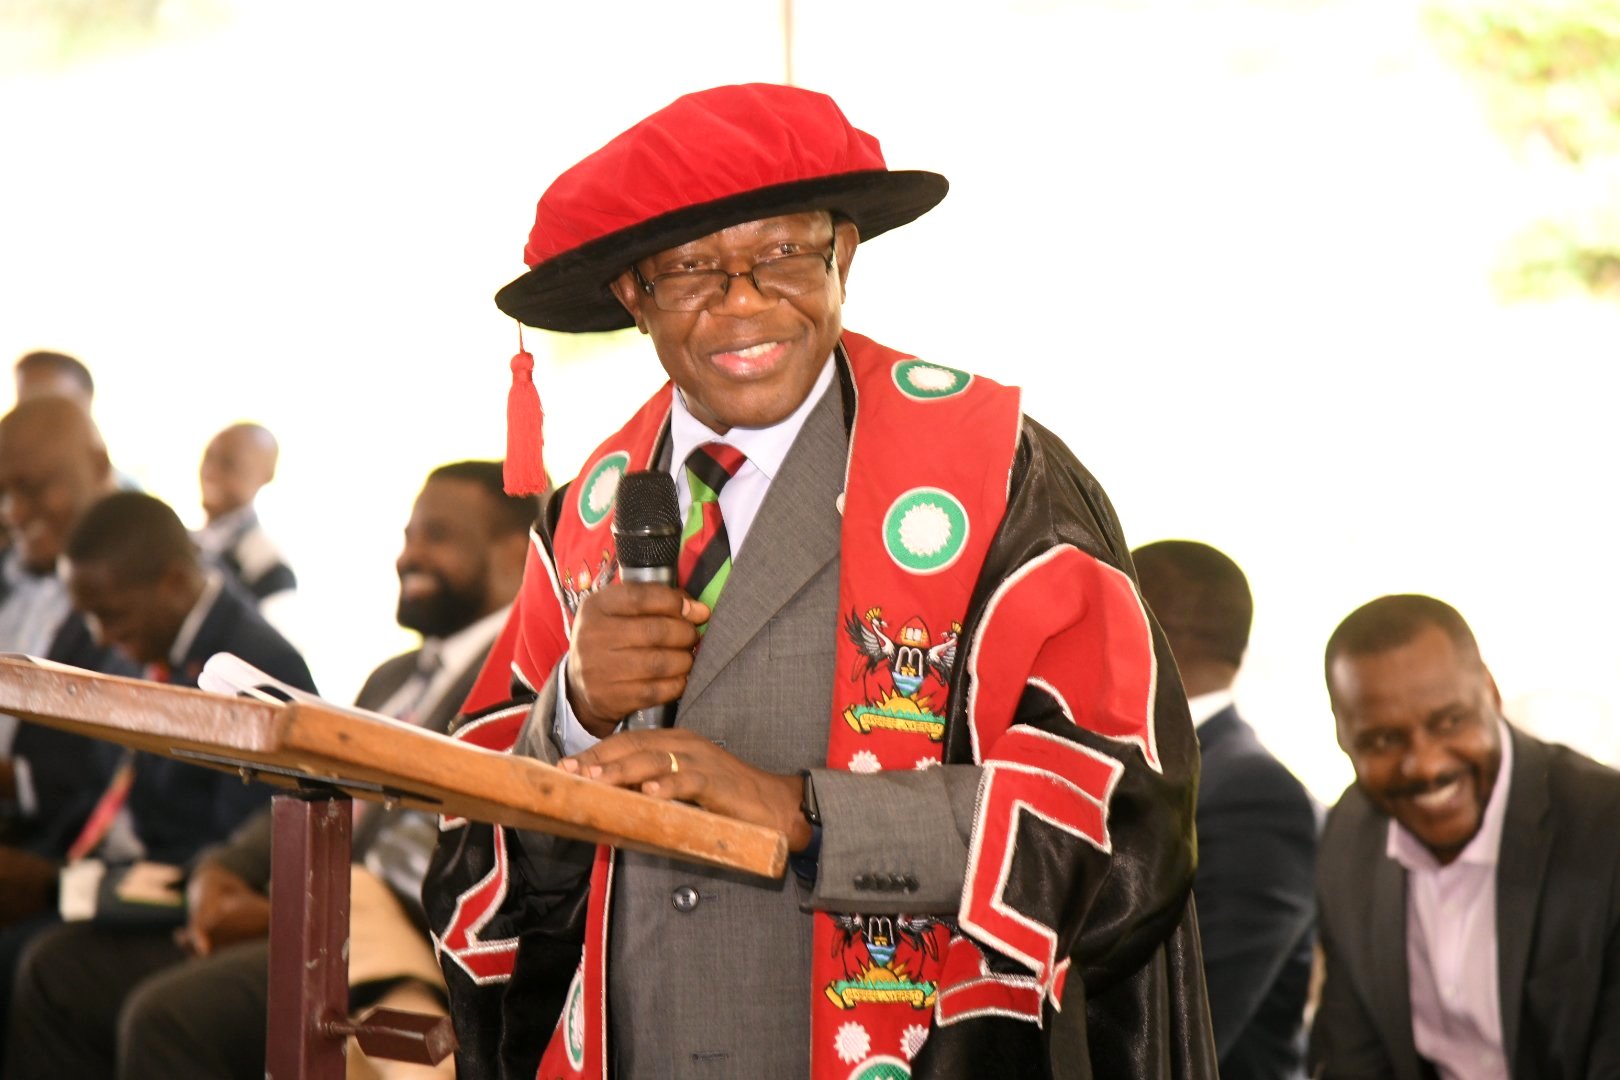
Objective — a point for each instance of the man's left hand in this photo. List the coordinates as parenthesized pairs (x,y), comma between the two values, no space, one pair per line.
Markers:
(678,764)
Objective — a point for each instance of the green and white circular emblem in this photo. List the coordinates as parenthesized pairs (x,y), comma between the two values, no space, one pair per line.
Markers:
(925,530)
(926,382)
(574,1017)
(600,486)
(881,1068)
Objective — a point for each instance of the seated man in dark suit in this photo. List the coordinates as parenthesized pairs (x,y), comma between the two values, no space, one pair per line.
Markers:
(134,574)
(1256,822)
(1469,882)
(462,561)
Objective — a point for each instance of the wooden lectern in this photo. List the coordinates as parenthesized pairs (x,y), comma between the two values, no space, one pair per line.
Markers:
(326,754)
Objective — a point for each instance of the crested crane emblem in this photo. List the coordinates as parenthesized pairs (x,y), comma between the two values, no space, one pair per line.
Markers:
(902,673)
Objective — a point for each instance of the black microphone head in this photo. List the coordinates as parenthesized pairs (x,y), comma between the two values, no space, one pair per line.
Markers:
(647,520)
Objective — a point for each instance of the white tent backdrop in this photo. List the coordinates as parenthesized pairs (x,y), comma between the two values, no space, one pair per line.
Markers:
(1237,253)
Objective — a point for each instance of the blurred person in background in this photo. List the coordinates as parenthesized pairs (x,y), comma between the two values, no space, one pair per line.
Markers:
(159,1013)
(53,467)
(1469,880)
(237,464)
(136,577)
(46,374)
(54,374)
(1257,824)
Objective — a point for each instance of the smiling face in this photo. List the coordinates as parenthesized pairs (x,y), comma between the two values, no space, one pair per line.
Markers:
(236,464)
(1419,723)
(454,569)
(141,619)
(750,360)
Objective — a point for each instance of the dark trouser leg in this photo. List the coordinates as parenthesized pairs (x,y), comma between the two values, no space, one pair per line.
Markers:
(71,985)
(13,940)
(204,1019)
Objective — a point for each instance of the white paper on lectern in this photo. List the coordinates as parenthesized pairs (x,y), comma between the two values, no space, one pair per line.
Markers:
(226,673)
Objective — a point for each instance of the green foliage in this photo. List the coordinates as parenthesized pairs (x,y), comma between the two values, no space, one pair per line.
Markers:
(51,34)
(1550,74)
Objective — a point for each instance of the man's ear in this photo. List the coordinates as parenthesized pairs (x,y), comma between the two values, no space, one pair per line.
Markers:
(178,586)
(101,468)
(629,294)
(846,238)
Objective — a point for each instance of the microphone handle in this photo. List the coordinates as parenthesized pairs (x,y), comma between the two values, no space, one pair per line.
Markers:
(656,716)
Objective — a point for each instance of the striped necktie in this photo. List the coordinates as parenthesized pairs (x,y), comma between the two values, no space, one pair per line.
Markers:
(705,561)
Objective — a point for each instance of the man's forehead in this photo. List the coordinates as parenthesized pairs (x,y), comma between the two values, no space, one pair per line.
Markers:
(1391,682)
(796,225)
(39,454)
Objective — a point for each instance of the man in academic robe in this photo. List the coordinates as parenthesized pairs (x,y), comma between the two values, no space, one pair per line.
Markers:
(931,672)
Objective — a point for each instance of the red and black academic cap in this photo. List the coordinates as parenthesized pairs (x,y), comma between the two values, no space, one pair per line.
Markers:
(705,162)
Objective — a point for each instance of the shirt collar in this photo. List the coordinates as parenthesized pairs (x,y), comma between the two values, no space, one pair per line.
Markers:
(187,637)
(766,447)
(1205,707)
(1486,845)
(462,647)
(224,528)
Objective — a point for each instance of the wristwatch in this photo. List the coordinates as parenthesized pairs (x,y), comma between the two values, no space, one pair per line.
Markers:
(807,863)
(807,805)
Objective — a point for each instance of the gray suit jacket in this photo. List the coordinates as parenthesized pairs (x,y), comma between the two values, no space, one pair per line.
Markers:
(709,970)
(1557,929)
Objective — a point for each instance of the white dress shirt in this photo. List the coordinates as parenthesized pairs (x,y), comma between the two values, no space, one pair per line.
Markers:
(1451,947)
(1205,707)
(33,611)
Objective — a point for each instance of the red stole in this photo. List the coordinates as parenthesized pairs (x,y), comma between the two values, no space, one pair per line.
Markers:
(931,453)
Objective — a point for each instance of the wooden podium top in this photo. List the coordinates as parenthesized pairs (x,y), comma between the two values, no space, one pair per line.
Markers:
(372,757)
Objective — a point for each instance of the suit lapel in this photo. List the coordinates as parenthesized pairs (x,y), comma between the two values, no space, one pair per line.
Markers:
(448,707)
(1521,865)
(1386,951)
(794,535)
(384,682)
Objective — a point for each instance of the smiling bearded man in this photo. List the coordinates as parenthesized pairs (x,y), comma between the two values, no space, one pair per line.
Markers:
(931,671)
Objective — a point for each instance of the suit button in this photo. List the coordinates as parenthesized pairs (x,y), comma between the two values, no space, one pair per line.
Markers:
(910,883)
(684,899)
(863,881)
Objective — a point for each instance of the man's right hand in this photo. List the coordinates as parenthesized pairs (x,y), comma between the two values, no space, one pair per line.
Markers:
(222,909)
(631,649)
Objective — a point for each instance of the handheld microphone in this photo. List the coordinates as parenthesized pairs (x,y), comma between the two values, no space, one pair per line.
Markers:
(647,532)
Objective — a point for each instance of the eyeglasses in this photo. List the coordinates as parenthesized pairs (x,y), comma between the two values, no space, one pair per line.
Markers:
(695,290)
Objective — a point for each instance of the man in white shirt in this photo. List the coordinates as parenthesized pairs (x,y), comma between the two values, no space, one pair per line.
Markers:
(1469,882)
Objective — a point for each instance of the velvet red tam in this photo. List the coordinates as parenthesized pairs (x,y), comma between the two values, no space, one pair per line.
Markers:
(705,162)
